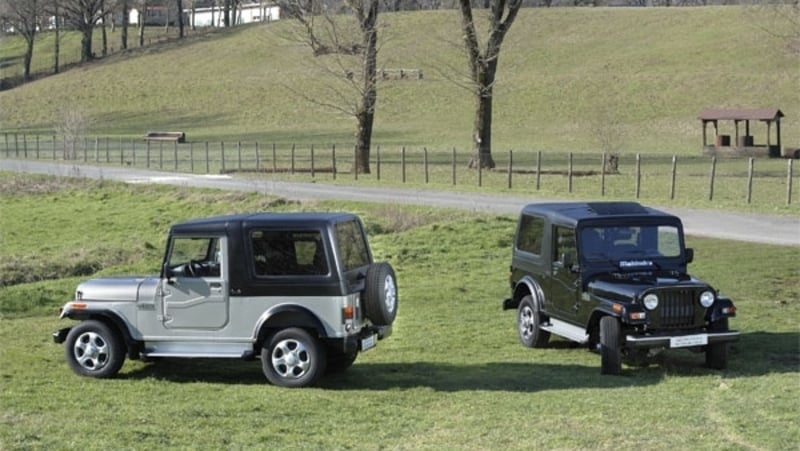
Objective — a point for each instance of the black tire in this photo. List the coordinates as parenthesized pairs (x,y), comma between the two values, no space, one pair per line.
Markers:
(293,358)
(380,294)
(529,320)
(94,349)
(339,362)
(610,352)
(717,353)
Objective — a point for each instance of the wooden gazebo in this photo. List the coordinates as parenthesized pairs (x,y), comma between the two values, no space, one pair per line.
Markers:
(742,144)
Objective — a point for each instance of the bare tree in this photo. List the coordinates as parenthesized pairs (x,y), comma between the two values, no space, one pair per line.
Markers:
(84,16)
(25,17)
(125,14)
(483,69)
(328,37)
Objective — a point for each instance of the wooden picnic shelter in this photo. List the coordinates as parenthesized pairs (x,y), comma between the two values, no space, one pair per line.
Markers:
(742,144)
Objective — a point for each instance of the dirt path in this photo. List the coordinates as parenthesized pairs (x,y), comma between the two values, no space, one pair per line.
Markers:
(759,228)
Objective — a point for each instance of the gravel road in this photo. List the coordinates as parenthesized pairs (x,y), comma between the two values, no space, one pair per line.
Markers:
(770,229)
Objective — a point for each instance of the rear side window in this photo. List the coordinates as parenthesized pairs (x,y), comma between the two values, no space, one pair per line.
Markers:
(351,245)
(530,234)
(288,253)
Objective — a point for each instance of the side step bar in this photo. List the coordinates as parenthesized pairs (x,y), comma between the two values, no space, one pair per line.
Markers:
(566,330)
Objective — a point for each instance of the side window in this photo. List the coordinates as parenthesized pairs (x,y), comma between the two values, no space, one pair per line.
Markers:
(351,245)
(564,243)
(195,257)
(530,234)
(288,253)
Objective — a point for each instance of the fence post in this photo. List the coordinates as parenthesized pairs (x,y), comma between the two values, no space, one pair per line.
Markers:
(96,149)
(403,164)
(789,183)
(713,174)
(222,156)
(108,157)
(750,167)
(161,155)
(538,170)
(603,176)
(379,163)
(674,173)
(37,147)
(5,135)
(85,149)
(239,155)
(355,162)
(510,166)
(191,157)
(258,159)
(121,152)
(333,159)
(274,159)
(638,174)
(25,145)
(569,173)
(208,168)
(175,154)
(292,166)
(454,166)
(54,147)
(425,162)
(312,161)
(480,171)
(133,151)
(16,145)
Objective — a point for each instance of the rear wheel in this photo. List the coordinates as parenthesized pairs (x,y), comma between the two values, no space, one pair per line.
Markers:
(529,320)
(94,349)
(293,358)
(717,353)
(340,361)
(610,353)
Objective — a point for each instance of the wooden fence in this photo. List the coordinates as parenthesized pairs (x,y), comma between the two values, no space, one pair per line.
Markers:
(745,180)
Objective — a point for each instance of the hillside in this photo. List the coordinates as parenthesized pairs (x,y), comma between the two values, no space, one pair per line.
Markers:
(566,77)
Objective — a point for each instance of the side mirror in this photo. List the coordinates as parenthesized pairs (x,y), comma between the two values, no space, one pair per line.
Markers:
(689,255)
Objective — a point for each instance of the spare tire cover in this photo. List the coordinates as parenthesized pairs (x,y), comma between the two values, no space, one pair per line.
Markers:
(380,294)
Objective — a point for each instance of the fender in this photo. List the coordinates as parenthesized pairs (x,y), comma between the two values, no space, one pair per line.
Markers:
(527,285)
(722,308)
(286,315)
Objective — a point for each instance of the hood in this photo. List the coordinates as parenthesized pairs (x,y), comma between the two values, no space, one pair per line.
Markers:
(116,289)
(627,287)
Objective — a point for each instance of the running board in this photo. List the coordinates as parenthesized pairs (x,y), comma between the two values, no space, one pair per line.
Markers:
(566,330)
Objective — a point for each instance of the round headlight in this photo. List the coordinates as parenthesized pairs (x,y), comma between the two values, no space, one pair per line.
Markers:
(706,299)
(651,301)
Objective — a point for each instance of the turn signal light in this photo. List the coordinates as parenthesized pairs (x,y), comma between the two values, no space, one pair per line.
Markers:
(638,315)
(617,308)
(348,312)
(78,305)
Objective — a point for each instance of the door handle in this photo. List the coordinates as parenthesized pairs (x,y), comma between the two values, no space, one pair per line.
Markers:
(215,285)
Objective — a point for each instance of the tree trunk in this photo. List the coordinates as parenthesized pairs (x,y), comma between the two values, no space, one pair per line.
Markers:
(57,43)
(366,113)
(180,18)
(482,127)
(86,44)
(125,22)
(26,69)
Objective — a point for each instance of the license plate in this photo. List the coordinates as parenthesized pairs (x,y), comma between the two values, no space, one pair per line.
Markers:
(368,342)
(688,340)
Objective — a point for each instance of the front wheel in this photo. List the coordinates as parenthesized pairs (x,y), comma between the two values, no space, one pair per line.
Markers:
(717,353)
(529,324)
(94,349)
(293,358)
(610,352)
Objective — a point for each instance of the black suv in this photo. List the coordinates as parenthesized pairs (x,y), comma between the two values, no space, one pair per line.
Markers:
(612,275)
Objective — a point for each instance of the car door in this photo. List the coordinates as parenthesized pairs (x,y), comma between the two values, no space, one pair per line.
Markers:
(564,281)
(195,286)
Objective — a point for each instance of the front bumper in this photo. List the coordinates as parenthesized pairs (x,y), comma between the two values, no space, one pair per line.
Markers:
(680,340)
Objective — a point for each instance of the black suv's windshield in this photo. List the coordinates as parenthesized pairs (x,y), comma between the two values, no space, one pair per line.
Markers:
(622,243)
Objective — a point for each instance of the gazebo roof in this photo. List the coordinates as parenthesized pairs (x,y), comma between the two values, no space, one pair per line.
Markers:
(762,114)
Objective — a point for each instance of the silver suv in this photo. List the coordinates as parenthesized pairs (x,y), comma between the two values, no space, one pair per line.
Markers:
(298,290)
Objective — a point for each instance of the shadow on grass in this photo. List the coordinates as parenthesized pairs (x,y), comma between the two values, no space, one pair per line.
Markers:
(756,354)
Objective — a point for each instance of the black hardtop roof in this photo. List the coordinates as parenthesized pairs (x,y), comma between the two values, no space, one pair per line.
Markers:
(574,212)
(304,219)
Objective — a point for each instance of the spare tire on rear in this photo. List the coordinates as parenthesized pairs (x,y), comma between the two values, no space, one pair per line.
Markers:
(380,294)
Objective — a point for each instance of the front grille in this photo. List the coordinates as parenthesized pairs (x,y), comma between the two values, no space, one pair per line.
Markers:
(676,308)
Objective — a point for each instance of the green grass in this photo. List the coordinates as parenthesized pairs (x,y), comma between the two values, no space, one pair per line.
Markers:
(452,376)
(565,73)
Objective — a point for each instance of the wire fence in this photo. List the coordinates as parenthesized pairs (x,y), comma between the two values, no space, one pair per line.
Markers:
(768,181)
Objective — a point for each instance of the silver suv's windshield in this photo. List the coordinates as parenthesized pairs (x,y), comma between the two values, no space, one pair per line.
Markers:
(630,242)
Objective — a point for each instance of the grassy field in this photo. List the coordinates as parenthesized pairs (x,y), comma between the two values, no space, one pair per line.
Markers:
(453,375)
(568,78)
